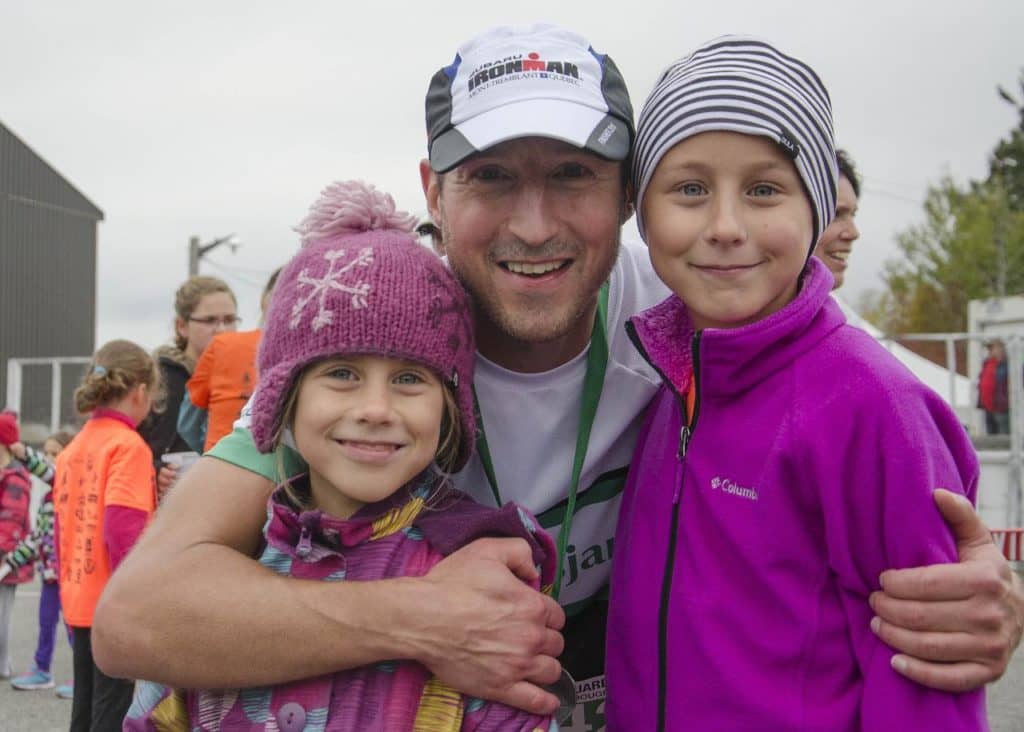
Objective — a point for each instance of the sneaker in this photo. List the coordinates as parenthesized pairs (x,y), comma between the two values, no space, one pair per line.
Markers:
(66,691)
(34,679)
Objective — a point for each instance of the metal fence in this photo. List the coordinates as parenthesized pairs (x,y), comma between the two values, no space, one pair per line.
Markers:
(1008,451)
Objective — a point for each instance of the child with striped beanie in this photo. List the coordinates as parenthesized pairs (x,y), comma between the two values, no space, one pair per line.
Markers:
(764,501)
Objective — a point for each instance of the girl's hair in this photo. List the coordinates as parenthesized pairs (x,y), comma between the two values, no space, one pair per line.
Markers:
(61,437)
(449,446)
(187,298)
(116,369)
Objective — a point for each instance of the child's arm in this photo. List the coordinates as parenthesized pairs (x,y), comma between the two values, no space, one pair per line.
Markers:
(37,464)
(878,478)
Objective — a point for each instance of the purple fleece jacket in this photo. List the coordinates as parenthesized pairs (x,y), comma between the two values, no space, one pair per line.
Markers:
(744,558)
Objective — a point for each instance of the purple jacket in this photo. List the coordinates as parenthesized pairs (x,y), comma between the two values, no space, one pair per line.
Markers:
(403,536)
(748,543)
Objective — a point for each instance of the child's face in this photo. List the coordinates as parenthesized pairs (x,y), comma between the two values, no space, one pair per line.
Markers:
(366,425)
(51,449)
(729,227)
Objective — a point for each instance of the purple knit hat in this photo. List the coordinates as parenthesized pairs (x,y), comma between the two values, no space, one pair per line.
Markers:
(361,284)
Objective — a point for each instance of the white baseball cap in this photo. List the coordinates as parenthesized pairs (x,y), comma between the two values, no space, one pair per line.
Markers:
(523,81)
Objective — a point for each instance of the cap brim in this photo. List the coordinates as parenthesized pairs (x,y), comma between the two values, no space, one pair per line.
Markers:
(581,126)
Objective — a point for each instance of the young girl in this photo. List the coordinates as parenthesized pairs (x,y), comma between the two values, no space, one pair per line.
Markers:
(15,495)
(765,500)
(366,370)
(105,494)
(39,547)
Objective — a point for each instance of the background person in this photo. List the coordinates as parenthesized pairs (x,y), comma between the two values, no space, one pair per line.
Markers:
(15,496)
(39,546)
(105,494)
(203,307)
(994,389)
(836,243)
(223,381)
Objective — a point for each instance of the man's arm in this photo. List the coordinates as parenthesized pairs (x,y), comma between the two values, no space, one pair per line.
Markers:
(956,625)
(189,607)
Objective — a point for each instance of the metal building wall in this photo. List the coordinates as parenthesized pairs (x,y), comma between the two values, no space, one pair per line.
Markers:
(47,268)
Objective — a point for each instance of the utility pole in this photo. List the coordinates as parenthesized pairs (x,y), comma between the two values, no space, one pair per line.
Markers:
(197,251)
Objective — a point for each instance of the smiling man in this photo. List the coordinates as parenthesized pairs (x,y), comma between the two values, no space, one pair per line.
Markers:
(529,133)
(836,242)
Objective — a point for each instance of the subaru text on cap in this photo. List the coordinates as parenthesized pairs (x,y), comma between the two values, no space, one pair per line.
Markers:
(523,81)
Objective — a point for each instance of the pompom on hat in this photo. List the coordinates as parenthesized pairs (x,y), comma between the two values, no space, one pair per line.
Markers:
(363,285)
(743,84)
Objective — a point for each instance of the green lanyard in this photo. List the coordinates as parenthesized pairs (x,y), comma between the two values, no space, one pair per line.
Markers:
(593,381)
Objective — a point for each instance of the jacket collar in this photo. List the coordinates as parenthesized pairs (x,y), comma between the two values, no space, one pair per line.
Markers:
(734,360)
(294,531)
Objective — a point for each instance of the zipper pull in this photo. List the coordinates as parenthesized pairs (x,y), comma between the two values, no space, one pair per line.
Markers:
(305,547)
(684,441)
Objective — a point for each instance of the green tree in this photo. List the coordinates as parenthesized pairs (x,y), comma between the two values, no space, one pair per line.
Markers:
(970,246)
(1007,161)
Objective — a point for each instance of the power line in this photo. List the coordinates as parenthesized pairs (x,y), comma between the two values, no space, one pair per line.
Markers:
(233,275)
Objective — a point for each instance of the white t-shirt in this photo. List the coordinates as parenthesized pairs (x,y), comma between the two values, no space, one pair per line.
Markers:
(531,422)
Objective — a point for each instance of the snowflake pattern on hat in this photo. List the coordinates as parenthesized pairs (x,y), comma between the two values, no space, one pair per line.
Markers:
(319,288)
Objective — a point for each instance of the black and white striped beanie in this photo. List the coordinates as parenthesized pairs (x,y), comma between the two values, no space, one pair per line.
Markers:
(742,84)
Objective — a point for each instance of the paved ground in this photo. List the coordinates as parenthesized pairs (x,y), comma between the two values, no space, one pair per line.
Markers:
(42,711)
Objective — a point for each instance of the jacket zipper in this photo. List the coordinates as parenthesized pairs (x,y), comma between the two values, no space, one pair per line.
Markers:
(685,435)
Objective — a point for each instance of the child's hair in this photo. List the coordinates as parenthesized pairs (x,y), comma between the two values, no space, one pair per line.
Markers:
(117,368)
(61,437)
(744,85)
(362,285)
(848,170)
(187,298)
(268,290)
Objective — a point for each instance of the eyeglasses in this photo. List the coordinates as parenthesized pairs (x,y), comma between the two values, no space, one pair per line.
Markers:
(228,321)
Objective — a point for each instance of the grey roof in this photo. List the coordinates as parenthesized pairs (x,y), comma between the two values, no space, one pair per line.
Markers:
(26,178)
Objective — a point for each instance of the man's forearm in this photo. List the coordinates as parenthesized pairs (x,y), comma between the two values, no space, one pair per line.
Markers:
(241,625)
(189,606)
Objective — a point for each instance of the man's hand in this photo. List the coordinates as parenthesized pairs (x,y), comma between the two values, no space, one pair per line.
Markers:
(18,450)
(489,634)
(956,624)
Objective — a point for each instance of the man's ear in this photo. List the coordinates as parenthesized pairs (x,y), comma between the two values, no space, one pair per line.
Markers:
(431,189)
(627,205)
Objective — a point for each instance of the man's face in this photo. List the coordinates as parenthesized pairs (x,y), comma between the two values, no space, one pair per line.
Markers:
(531,228)
(837,240)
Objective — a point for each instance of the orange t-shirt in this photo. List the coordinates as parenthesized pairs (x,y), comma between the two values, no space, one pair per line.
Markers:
(107,464)
(223,381)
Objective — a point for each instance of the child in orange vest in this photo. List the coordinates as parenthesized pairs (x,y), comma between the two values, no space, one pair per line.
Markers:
(105,494)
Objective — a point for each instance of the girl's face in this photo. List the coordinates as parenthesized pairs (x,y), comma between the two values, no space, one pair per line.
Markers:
(366,425)
(729,227)
(214,313)
(51,449)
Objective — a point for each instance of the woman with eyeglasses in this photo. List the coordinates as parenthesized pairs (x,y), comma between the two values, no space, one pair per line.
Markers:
(203,307)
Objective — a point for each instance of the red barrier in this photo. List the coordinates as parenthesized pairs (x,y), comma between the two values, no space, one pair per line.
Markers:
(1010,542)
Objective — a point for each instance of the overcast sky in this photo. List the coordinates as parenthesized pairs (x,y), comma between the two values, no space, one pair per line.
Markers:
(203,118)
